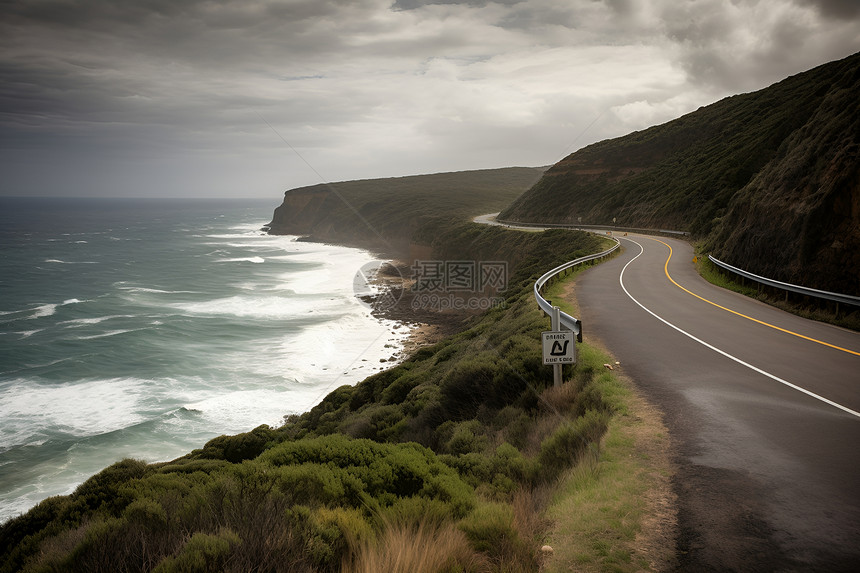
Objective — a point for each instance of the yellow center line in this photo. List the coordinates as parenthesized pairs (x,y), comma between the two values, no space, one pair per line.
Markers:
(666,270)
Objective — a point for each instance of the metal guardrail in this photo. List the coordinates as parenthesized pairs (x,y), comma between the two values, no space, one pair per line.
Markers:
(827,295)
(591,227)
(567,321)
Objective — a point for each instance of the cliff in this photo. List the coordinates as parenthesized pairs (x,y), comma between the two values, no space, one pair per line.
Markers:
(388,214)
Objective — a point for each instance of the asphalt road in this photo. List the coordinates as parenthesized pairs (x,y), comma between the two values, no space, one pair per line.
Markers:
(767,423)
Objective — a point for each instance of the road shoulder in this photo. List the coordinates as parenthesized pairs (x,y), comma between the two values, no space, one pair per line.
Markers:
(618,510)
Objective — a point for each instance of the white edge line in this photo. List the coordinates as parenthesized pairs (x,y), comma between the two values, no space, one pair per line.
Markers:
(724,353)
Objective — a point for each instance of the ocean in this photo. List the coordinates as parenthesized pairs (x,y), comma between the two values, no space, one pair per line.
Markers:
(143,328)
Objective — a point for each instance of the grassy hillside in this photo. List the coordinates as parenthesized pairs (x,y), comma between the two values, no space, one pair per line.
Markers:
(384,214)
(442,457)
(769,180)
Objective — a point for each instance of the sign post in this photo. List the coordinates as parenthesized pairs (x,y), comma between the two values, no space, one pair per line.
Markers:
(559,347)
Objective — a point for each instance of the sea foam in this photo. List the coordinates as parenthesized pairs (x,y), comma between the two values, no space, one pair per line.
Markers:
(31,409)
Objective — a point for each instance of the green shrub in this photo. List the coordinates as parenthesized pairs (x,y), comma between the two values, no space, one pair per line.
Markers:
(474,468)
(410,510)
(508,461)
(370,470)
(490,527)
(102,491)
(562,449)
(22,535)
(466,386)
(240,447)
(352,522)
(203,553)
(311,483)
(189,466)
(516,428)
(421,398)
(397,391)
(146,513)
(467,437)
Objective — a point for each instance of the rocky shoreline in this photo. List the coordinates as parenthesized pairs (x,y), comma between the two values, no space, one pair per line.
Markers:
(396,301)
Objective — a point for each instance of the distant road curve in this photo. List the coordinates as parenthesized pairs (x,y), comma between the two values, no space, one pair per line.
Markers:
(490,219)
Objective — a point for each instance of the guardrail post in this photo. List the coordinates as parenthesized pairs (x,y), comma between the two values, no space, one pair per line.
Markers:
(555,327)
(561,320)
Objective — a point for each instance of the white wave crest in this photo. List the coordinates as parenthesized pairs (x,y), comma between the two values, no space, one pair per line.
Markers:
(272,307)
(139,289)
(29,333)
(37,311)
(243,410)
(243,259)
(106,334)
(44,310)
(79,322)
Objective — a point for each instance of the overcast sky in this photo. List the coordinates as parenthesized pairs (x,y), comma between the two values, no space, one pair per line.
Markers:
(248,98)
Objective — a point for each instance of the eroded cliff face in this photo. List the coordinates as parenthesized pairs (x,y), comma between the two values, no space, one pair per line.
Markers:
(390,216)
(798,221)
(322,215)
(301,211)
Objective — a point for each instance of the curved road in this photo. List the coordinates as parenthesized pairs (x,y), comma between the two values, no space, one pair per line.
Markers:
(767,423)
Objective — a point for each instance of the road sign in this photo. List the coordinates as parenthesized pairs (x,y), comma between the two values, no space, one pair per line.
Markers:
(558,347)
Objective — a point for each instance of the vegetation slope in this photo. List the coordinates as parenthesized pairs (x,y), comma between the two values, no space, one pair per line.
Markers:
(769,180)
(438,458)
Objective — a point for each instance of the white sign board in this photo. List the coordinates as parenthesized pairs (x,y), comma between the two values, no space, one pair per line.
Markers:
(558,347)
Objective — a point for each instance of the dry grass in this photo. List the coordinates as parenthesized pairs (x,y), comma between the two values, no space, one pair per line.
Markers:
(615,511)
(423,547)
(433,546)
(556,399)
(542,429)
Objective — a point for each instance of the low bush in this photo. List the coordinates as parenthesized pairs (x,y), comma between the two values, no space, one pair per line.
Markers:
(203,553)
(492,530)
(103,490)
(240,447)
(569,442)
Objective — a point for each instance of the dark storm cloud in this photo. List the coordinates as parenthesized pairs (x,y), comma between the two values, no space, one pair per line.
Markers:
(185,92)
(836,8)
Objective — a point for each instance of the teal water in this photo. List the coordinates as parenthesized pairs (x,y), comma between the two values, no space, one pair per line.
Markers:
(134,328)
